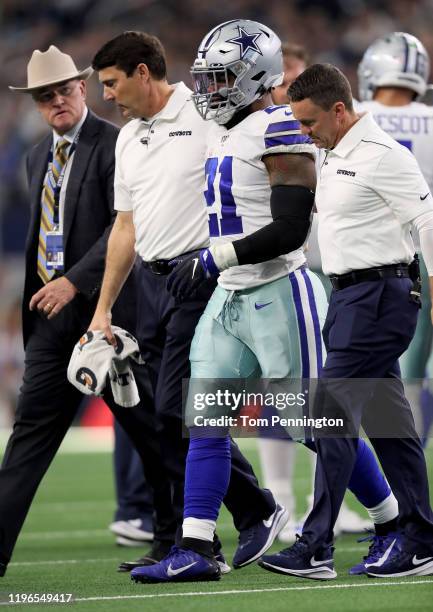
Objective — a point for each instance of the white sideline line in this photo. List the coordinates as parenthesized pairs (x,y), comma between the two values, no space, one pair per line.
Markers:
(63,561)
(71,505)
(53,535)
(247,591)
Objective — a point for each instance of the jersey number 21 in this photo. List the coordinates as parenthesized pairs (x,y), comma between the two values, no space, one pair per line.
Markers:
(229,223)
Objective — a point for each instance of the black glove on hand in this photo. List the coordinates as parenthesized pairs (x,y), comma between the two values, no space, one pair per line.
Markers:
(190,272)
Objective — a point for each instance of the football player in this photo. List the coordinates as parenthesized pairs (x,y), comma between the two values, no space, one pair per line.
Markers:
(392,79)
(264,318)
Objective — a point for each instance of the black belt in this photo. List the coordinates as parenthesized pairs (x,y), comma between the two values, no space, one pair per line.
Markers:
(161,267)
(342,281)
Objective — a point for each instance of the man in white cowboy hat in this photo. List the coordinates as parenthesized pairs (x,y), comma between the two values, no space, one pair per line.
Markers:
(70,174)
(50,68)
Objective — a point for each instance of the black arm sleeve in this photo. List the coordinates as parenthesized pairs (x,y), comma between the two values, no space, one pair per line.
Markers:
(291,207)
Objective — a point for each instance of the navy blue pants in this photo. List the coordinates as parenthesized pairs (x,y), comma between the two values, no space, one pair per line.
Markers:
(165,331)
(368,327)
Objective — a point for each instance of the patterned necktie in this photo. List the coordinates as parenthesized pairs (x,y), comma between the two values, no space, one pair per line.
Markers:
(47,207)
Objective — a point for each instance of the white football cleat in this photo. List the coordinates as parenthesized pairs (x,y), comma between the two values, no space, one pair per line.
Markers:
(131,530)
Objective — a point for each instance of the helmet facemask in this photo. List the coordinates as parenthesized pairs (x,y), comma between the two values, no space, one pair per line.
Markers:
(216,92)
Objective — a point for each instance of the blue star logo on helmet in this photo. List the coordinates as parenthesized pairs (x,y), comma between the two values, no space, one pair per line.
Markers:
(246,41)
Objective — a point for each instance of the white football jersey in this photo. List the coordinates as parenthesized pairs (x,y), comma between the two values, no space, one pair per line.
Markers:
(238,192)
(412,126)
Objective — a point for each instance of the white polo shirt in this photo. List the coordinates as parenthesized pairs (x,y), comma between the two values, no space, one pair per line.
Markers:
(159,177)
(369,190)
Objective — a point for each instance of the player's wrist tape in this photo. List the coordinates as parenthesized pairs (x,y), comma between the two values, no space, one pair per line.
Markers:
(224,256)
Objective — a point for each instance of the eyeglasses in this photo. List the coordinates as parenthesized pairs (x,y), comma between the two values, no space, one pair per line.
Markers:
(63,91)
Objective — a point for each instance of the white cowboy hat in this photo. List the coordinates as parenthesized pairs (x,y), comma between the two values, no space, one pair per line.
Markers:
(50,67)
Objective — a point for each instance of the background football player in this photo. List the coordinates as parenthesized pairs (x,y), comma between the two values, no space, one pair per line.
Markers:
(392,78)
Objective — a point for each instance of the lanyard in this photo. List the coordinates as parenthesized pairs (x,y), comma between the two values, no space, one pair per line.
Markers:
(58,186)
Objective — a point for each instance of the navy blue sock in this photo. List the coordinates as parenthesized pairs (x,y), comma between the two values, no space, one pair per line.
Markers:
(367,482)
(207,476)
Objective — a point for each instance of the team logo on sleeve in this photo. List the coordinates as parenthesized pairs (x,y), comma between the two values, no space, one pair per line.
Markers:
(246,41)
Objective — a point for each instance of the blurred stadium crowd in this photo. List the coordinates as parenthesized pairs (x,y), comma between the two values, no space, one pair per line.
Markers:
(337,31)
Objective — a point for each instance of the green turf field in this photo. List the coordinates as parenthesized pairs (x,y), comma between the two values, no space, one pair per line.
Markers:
(65,547)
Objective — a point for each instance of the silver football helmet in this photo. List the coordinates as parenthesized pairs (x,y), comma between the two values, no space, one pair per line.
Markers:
(395,60)
(237,62)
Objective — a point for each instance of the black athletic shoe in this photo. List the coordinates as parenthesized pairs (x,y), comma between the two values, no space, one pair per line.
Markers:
(298,560)
(158,551)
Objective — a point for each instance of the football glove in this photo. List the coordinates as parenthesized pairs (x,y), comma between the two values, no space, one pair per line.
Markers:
(190,272)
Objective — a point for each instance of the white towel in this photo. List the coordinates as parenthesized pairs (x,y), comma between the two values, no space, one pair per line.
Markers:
(93,359)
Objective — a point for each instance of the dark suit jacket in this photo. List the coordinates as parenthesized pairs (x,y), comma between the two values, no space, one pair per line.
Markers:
(88,219)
